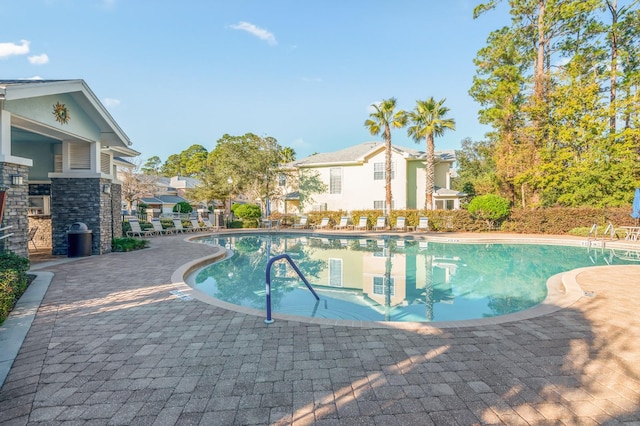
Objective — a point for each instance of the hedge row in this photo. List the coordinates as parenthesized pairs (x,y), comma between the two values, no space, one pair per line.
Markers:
(13,281)
(554,221)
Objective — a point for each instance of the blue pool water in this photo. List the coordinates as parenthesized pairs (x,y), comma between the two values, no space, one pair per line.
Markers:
(389,279)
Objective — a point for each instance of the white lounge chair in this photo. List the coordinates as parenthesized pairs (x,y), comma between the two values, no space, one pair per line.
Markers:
(324,224)
(400,224)
(209,226)
(177,226)
(136,230)
(157,226)
(302,224)
(423,224)
(195,226)
(381,224)
(362,225)
(344,223)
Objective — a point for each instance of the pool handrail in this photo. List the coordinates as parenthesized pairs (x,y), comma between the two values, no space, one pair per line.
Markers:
(269,320)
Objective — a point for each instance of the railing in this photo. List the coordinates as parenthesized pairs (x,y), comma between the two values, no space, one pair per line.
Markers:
(593,232)
(269,320)
(4,234)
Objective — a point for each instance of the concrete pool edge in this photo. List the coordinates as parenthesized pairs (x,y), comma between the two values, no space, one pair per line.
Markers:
(563,291)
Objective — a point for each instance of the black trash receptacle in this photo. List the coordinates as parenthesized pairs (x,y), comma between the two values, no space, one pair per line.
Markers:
(80,240)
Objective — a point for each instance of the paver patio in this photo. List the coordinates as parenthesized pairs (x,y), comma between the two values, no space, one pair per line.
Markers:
(111,345)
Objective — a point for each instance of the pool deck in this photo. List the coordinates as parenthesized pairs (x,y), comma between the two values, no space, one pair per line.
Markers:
(114,340)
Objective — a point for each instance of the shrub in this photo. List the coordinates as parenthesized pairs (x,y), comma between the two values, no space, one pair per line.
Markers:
(182,207)
(490,208)
(13,281)
(247,211)
(128,244)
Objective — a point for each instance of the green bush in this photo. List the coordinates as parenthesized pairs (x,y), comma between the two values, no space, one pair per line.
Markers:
(128,244)
(13,281)
(490,208)
(247,211)
(182,207)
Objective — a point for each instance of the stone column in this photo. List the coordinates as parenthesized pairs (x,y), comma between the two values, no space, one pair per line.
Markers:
(87,200)
(15,209)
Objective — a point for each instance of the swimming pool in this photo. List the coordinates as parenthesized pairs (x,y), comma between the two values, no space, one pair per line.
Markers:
(388,279)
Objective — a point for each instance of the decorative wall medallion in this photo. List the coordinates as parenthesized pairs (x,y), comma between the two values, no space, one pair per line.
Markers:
(61,113)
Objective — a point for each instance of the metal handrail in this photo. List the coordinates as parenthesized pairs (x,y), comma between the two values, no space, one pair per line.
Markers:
(6,235)
(269,320)
(594,231)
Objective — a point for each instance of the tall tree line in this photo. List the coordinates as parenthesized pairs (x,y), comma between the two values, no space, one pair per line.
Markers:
(559,88)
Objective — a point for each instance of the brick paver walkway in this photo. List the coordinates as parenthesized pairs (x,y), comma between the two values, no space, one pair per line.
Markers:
(111,345)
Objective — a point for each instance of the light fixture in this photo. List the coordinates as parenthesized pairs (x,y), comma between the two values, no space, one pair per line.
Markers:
(106,188)
(16,180)
(4,188)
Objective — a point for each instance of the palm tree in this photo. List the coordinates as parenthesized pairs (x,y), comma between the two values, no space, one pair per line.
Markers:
(428,121)
(381,121)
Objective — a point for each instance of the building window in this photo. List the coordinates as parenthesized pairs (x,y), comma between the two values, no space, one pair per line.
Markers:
(335,181)
(378,170)
(378,285)
(282,180)
(335,272)
(382,205)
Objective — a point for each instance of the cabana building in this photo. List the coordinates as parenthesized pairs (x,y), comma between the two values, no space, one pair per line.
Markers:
(59,150)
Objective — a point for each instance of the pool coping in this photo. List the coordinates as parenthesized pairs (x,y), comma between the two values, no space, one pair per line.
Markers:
(563,289)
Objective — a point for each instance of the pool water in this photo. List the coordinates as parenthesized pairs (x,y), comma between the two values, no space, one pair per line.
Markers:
(388,279)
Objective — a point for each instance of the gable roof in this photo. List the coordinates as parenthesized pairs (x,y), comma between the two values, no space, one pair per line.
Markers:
(358,154)
(113,136)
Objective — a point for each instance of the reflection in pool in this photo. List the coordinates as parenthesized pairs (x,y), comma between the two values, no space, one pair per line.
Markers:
(387,279)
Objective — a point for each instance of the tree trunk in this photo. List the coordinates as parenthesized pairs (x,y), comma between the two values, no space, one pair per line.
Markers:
(613,8)
(387,172)
(430,173)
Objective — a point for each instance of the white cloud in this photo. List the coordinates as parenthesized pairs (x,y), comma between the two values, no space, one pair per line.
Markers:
(110,102)
(261,33)
(39,59)
(35,77)
(312,79)
(300,144)
(10,49)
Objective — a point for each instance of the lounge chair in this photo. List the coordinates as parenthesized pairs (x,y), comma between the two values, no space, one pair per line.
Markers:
(177,226)
(195,226)
(208,225)
(344,223)
(381,224)
(362,225)
(400,224)
(324,224)
(136,230)
(423,224)
(302,224)
(157,226)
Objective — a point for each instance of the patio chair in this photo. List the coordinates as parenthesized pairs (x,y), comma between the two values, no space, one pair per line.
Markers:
(423,224)
(362,225)
(302,224)
(157,226)
(324,224)
(208,225)
(400,224)
(136,230)
(31,236)
(381,224)
(344,223)
(177,226)
(195,226)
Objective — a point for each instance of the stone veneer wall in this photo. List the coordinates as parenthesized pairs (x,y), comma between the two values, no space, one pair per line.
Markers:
(15,209)
(83,200)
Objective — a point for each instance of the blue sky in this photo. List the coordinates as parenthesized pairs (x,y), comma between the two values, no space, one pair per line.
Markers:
(178,73)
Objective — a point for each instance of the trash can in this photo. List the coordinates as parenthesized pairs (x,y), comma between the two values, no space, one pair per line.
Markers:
(79,239)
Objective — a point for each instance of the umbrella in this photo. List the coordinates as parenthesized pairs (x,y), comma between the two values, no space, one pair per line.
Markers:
(635,208)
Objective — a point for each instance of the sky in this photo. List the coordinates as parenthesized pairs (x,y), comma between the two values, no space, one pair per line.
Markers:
(306,72)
